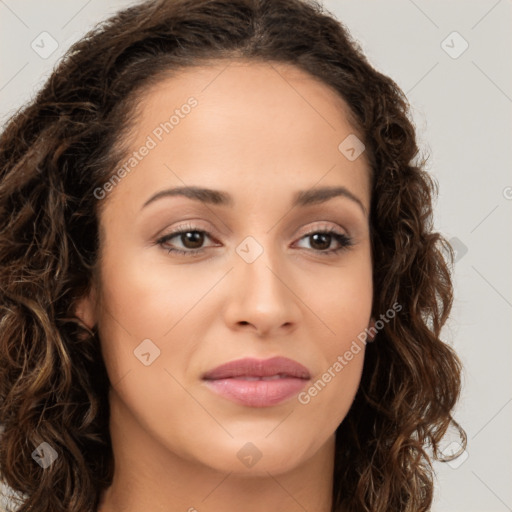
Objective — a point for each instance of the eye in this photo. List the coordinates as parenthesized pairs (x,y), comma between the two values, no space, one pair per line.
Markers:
(321,241)
(193,238)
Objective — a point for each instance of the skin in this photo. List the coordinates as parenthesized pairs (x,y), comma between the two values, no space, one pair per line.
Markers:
(260,132)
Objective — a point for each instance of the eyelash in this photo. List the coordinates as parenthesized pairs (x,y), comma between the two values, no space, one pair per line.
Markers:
(344,241)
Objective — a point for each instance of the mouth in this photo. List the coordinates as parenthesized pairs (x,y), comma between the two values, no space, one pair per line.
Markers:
(256,382)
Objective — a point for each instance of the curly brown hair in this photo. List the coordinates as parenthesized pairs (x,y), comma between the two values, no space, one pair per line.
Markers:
(68,141)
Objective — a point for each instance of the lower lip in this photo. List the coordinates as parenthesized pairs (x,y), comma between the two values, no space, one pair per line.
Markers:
(257,393)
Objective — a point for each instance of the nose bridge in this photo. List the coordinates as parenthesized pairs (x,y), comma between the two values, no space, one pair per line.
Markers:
(261,296)
(258,263)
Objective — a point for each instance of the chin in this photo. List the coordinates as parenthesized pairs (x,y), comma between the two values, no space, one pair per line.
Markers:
(257,455)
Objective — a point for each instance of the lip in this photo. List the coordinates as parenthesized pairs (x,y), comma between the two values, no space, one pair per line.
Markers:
(258,382)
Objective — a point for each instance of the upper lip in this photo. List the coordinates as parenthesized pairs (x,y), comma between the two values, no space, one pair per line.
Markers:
(251,367)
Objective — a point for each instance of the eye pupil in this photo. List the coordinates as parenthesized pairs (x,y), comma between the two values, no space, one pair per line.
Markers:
(323,236)
(195,237)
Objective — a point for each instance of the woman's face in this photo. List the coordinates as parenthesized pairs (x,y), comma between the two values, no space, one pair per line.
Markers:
(259,280)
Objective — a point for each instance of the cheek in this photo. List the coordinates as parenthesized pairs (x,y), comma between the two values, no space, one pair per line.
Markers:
(137,305)
(344,305)
(341,354)
(142,329)
(331,393)
(342,298)
(147,301)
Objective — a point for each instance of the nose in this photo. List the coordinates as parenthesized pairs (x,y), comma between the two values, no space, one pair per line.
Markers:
(261,294)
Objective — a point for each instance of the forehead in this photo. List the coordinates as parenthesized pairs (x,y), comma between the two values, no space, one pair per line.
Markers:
(254,124)
(249,83)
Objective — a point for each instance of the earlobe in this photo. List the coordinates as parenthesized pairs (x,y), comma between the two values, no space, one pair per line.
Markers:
(85,309)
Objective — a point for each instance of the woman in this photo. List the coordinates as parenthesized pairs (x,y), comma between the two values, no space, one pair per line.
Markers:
(220,284)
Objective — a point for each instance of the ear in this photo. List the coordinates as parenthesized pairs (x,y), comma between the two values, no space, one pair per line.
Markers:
(85,308)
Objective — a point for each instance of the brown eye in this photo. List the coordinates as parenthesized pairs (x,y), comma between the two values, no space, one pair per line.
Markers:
(192,239)
(321,240)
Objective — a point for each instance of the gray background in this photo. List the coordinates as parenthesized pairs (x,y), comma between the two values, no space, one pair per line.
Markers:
(462,110)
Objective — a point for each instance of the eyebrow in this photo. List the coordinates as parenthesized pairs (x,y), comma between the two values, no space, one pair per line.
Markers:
(220,198)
